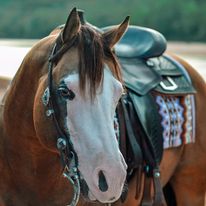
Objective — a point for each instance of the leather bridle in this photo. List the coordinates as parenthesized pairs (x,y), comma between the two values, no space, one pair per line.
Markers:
(68,155)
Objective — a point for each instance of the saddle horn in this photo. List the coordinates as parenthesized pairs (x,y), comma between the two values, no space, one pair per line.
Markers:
(81,16)
(84,21)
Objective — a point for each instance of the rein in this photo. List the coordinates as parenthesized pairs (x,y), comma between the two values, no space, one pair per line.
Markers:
(64,145)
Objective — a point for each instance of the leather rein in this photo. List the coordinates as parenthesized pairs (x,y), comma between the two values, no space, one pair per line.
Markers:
(68,156)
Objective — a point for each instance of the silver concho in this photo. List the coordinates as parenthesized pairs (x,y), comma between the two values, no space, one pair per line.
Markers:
(46,96)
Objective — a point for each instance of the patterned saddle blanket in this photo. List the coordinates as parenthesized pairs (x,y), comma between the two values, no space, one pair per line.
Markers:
(177,119)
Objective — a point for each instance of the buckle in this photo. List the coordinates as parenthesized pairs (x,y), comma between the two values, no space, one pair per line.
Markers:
(171,87)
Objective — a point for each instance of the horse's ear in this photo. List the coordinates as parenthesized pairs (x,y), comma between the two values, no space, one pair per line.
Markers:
(112,36)
(72,26)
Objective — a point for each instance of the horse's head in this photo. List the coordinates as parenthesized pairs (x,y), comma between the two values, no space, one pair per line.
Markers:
(86,88)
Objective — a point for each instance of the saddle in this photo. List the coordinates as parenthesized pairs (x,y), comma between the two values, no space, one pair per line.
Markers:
(139,42)
(146,70)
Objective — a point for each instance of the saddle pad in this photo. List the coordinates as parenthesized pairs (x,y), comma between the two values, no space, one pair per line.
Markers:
(178,119)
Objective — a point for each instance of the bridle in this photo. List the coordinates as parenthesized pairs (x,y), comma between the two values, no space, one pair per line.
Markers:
(68,156)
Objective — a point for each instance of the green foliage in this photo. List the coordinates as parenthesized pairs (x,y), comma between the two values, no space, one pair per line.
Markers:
(176,19)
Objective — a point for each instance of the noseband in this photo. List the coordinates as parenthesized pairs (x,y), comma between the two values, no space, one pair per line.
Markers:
(64,145)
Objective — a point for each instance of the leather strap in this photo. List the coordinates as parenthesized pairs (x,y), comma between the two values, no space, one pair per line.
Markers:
(159,199)
(153,194)
(61,48)
(136,150)
(122,128)
(58,50)
(139,183)
(147,199)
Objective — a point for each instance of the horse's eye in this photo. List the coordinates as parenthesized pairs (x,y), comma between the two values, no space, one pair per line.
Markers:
(66,93)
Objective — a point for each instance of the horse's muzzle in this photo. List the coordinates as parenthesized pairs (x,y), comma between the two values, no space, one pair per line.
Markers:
(85,191)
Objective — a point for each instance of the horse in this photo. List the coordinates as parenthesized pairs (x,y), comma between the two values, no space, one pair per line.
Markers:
(57,140)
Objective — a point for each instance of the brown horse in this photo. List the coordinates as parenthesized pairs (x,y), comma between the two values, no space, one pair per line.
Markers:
(61,122)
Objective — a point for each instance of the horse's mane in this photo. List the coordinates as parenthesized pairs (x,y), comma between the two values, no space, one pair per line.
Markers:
(92,52)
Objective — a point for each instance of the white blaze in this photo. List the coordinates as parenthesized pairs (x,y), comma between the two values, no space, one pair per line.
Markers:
(92,133)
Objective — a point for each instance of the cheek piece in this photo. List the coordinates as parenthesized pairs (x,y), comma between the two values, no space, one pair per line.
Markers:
(68,156)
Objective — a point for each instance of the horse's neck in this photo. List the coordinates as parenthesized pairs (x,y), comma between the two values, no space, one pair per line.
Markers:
(28,167)
(19,100)
(16,113)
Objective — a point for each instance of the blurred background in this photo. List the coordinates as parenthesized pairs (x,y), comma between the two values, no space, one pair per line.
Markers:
(23,22)
(176,19)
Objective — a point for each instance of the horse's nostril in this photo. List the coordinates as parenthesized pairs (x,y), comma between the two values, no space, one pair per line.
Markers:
(113,198)
(102,182)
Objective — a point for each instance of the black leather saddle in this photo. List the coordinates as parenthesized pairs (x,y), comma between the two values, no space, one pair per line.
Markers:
(140,42)
(145,69)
